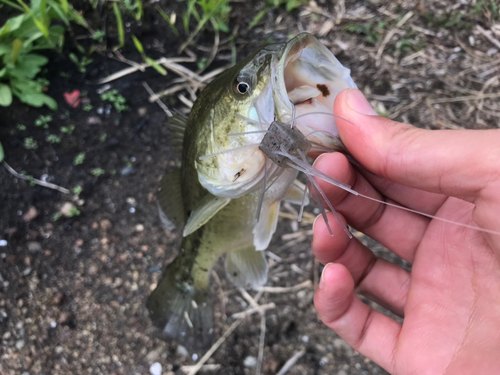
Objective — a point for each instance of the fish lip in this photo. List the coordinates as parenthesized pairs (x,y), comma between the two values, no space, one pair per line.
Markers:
(317,53)
(285,109)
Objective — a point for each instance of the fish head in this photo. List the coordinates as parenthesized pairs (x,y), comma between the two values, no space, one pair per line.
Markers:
(295,82)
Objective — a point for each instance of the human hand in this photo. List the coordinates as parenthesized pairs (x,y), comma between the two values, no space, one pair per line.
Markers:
(450,300)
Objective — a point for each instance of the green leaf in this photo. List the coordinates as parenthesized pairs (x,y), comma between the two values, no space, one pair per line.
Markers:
(59,12)
(65,6)
(160,69)
(40,23)
(5,95)
(38,99)
(138,45)
(16,48)
(119,25)
(12,25)
(2,153)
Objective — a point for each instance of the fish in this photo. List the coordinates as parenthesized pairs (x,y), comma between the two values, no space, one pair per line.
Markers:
(242,146)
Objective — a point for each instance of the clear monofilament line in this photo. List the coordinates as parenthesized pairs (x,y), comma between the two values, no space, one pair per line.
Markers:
(262,193)
(303,156)
(317,113)
(317,198)
(489,231)
(250,132)
(346,230)
(249,120)
(310,170)
(301,212)
(228,151)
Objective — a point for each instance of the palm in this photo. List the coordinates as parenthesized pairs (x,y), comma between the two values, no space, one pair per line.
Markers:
(450,278)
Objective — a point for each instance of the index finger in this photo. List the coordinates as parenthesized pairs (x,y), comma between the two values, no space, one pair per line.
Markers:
(451,162)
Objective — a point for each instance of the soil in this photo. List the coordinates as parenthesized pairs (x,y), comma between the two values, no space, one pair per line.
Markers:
(73,289)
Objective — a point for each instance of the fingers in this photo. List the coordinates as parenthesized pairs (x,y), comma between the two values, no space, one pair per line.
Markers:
(400,231)
(460,163)
(450,162)
(375,278)
(369,332)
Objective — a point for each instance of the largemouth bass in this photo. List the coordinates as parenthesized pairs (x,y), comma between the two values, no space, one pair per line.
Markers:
(242,147)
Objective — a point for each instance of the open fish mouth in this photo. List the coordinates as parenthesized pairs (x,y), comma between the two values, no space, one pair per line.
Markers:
(294,84)
(309,78)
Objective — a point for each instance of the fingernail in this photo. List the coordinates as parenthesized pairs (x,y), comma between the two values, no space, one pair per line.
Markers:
(315,220)
(317,159)
(357,102)
(322,280)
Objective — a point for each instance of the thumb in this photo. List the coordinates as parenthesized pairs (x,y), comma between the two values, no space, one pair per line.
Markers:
(460,163)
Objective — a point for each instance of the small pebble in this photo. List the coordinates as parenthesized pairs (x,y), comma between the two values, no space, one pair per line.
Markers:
(127,171)
(34,246)
(182,351)
(3,243)
(27,271)
(323,361)
(155,369)
(305,339)
(250,361)
(139,228)
(19,344)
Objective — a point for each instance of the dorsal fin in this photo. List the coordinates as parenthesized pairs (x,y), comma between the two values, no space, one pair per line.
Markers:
(170,202)
(177,126)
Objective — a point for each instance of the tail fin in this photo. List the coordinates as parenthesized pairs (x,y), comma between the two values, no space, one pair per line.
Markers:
(185,314)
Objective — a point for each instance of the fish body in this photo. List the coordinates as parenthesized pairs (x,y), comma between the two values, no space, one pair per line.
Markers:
(227,194)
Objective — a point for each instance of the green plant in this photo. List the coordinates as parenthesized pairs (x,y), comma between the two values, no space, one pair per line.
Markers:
(80,63)
(373,31)
(73,211)
(490,8)
(273,4)
(30,143)
(134,8)
(97,172)
(215,12)
(98,36)
(20,37)
(67,129)
(153,63)
(2,153)
(52,138)
(87,107)
(119,26)
(79,158)
(43,121)
(21,127)
(113,96)
(77,190)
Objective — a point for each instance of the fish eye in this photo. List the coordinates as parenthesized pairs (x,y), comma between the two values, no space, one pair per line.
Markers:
(242,87)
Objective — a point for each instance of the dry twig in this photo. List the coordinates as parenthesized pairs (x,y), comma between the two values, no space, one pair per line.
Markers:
(389,36)
(280,289)
(34,180)
(289,364)
(157,101)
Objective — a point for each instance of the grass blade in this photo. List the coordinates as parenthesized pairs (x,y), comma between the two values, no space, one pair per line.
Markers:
(119,25)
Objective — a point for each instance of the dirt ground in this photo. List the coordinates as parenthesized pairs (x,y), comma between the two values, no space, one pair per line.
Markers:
(73,288)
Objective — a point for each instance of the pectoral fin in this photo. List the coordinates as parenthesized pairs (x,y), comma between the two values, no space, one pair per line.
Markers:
(207,208)
(247,268)
(170,202)
(296,193)
(266,226)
